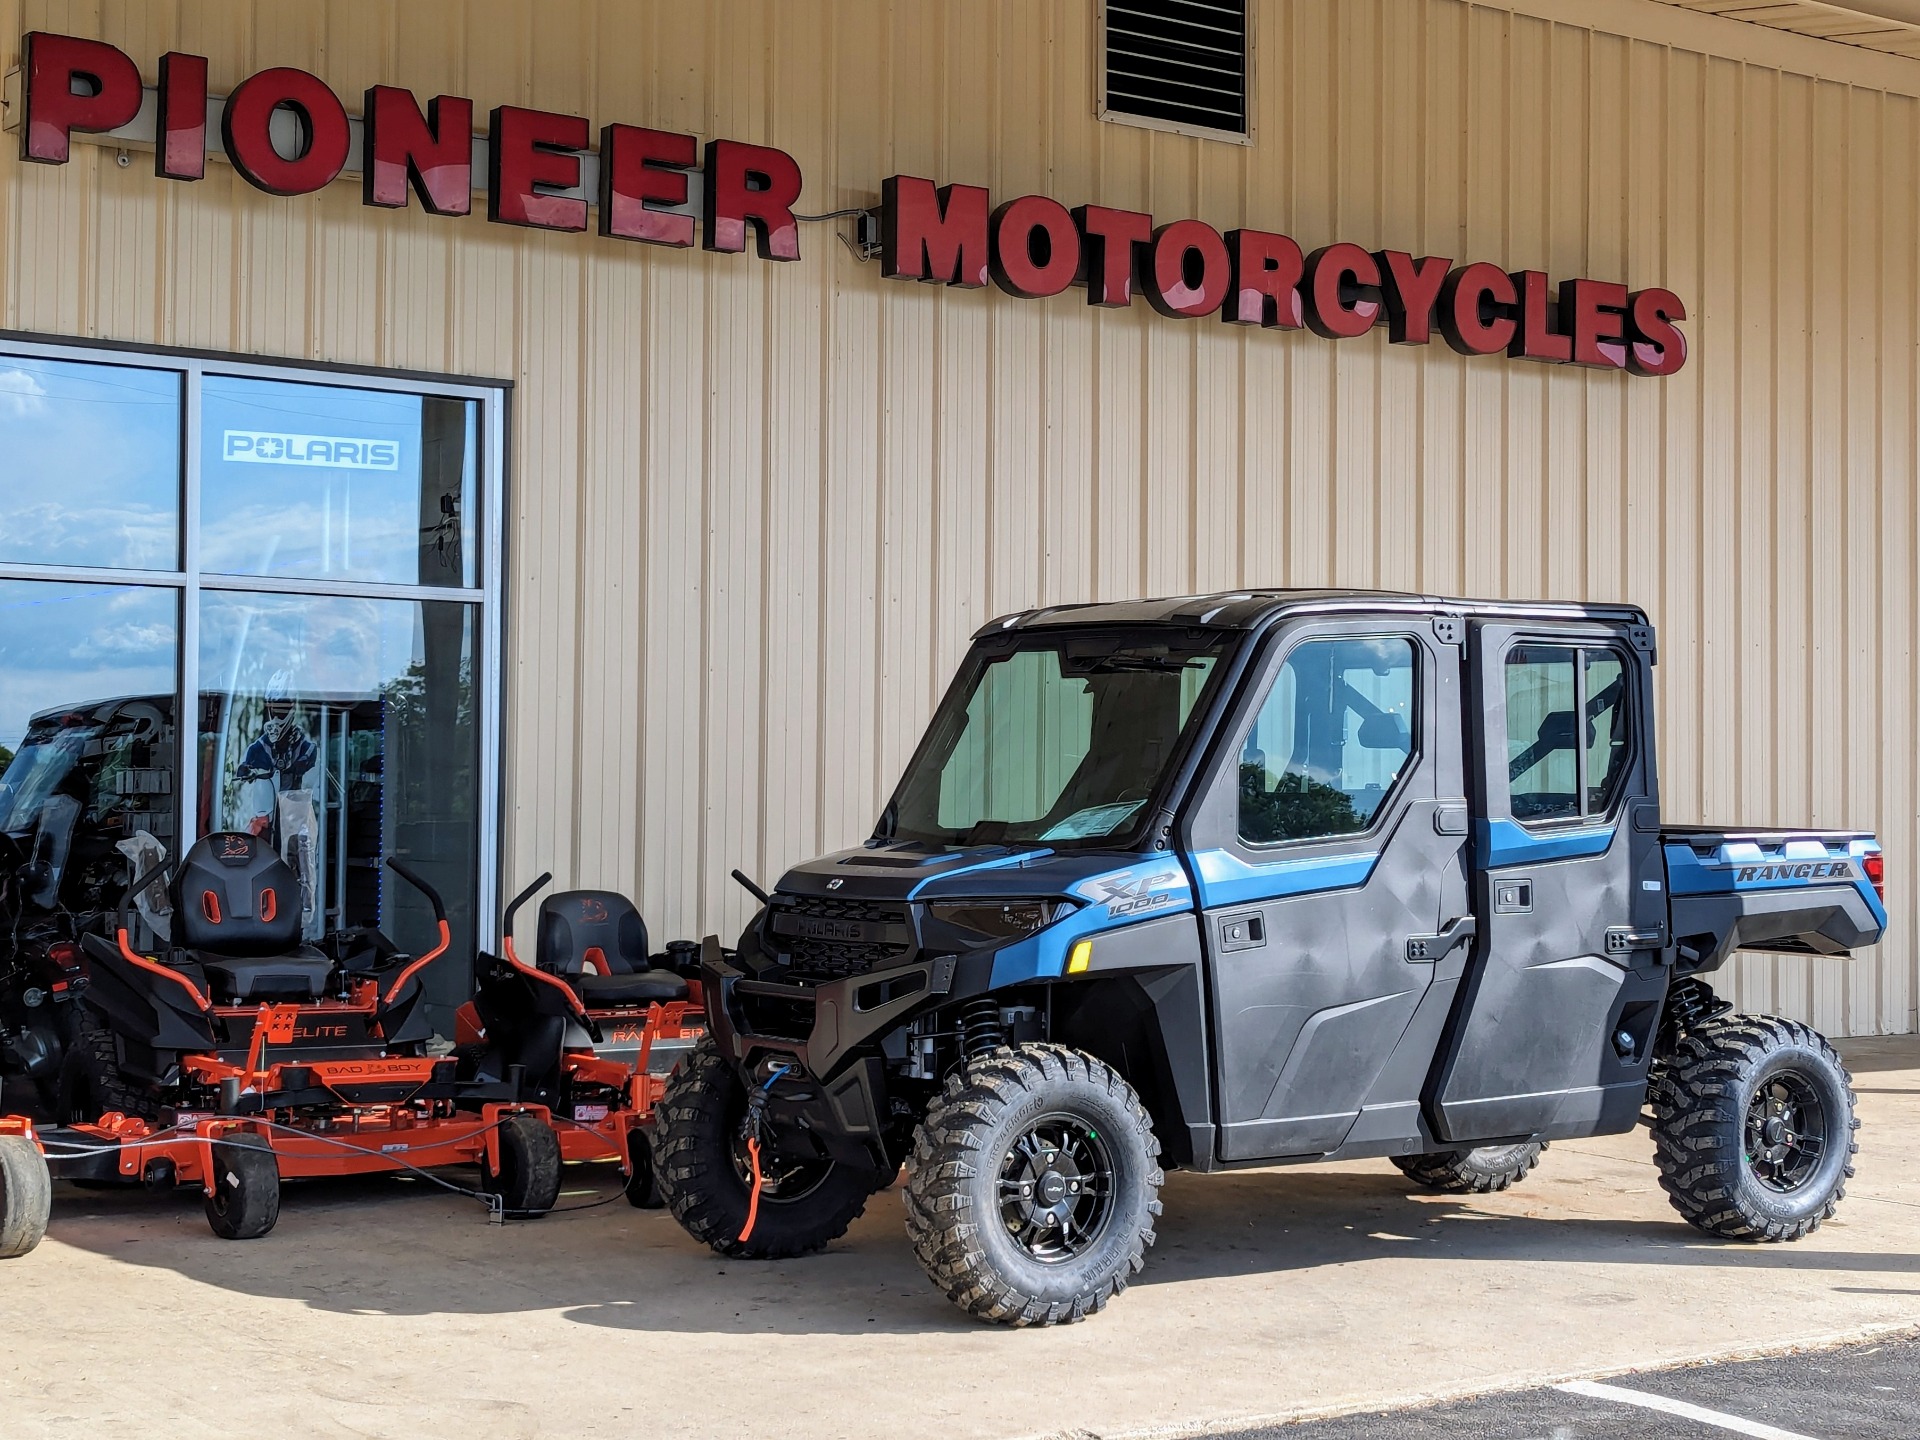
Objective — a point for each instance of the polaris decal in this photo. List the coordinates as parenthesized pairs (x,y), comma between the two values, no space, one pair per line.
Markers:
(335,452)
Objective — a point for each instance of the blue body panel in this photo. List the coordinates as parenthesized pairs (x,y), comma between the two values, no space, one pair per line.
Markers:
(1226,879)
(1507,842)
(1143,890)
(1737,865)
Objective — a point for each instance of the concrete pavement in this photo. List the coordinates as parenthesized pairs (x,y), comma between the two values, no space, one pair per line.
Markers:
(388,1309)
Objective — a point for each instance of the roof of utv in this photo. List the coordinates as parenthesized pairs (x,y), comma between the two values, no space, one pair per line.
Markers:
(1254,609)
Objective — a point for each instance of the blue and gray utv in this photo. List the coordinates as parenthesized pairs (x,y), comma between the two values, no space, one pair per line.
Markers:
(1255,878)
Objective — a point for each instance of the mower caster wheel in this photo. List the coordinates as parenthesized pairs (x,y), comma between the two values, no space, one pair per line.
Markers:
(528,1180)
(245,1200)
(1479,1171)
(643,1186)
(26,1194)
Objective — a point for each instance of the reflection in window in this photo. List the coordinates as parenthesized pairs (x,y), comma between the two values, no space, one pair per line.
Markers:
(92,472)
(87,735)
(1557,767)
(1331,741)
(328,482)
(342,730)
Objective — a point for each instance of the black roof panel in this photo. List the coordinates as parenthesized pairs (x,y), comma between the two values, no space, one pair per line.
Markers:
(1252,609)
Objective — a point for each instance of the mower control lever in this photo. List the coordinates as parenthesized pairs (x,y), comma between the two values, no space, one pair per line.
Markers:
(753,889)
(140,883)
(506,920)
(412,877)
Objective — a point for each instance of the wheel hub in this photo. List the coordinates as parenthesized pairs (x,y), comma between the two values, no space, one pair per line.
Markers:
(1786,1132)
(1056,1188)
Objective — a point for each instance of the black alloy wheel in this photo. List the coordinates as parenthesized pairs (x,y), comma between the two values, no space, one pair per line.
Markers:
(1056,1188)
(1786,1132)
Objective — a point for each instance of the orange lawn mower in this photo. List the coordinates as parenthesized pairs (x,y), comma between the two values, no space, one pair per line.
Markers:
(242,1056)
(591,1030)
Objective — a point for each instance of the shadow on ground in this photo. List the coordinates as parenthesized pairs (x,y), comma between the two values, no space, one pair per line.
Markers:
(393,1247)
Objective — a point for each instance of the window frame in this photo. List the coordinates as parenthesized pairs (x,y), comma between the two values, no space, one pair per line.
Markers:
(188,581)
(1102,111)
(1416,751)
(1580,647)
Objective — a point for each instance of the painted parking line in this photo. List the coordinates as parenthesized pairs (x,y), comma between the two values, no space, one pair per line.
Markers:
(1681,1408)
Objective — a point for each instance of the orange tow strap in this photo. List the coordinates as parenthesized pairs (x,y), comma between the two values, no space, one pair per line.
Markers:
(753,1200)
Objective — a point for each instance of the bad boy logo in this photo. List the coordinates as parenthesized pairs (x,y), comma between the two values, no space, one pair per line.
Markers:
(338,452)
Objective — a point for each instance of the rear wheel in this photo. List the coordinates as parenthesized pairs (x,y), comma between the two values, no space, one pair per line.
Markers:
(1479,1171)
(528,1180)
(1754,1128)
(1033,1186)
(26,1195)
(92,1083)
(245,1201)
(705,1171)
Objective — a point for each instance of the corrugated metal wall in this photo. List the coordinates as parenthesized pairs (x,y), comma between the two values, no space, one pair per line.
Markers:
(757,509)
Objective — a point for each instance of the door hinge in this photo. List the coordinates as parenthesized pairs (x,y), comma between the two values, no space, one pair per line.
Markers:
(1449,629)
(1425,949)
(1624,940)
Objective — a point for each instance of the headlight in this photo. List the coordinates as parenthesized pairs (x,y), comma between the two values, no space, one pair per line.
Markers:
(991,920)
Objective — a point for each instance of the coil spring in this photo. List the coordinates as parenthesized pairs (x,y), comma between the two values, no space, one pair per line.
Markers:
(980,1029)
(1691,1004)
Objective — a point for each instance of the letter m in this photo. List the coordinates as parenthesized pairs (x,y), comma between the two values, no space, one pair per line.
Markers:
(939,236)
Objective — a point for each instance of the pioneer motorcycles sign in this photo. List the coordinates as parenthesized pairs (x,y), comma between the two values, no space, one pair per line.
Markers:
(287,133)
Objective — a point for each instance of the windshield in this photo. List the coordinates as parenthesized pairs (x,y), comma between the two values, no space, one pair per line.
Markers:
(1061,740)
(45,759)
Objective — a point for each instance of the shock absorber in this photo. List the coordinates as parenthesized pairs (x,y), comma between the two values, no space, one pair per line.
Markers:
(980,1029)
(1691,1004)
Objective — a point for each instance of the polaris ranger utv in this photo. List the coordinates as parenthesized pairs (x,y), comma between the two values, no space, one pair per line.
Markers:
(1256,878)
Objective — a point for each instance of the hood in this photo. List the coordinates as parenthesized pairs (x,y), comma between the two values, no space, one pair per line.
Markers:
(909,870)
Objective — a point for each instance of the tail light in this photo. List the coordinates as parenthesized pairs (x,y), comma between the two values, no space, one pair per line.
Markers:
(1876,868)
(64,953)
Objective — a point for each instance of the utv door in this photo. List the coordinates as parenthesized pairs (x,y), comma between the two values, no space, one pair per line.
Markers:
(1328,853)
(1566,982)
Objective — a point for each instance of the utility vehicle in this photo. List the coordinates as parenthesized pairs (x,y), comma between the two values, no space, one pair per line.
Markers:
(1253,878)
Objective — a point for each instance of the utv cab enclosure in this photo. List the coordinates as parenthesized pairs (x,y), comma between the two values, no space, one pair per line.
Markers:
(1251,878)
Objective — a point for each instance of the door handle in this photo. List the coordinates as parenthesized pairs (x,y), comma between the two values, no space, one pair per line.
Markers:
(1425,949)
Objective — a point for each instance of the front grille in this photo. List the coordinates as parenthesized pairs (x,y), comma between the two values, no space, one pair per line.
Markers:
(825,937)
(776,1016)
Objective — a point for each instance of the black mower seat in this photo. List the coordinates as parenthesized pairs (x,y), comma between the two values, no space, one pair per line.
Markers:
(299,975)
(641,989)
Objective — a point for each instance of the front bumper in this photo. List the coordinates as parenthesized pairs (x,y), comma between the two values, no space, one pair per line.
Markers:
(836,1088)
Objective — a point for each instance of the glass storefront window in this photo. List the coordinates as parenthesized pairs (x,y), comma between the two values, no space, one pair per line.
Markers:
(88,748)
(342,730)
(308,652)
(332,483)
(92,464)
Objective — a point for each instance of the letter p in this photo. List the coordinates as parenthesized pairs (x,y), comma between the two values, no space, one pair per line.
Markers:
(73,84)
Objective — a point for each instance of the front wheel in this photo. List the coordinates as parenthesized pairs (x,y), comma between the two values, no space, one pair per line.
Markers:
(705,1172)
(244,1203)
(528,1179)
(1753,1128)
(1033,1186)
(1479,1171)
(26,1196)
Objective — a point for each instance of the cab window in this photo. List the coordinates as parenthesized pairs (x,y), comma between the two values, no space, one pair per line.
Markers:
(1569,731)
(1331,741)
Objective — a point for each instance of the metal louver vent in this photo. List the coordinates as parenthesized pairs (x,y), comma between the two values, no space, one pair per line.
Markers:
(1182,63)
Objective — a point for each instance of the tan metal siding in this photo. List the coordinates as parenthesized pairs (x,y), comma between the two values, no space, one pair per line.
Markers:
(757,509)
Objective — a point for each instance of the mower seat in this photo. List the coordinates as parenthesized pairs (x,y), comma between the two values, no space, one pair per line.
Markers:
(236,909)
(596,941)
(299,975)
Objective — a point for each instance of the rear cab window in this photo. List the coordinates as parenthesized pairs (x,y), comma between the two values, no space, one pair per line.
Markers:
(1569,731)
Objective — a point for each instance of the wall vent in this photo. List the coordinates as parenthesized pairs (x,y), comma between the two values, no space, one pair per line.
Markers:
(1176,65)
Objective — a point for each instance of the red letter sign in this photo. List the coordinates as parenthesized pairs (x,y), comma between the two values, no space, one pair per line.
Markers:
(1036,247)
(324,137)
(1537,339)
(74,85)
(1410,288)
(1594,314)
(939,236)
(431,152)
(751,185)
(180,146)
(1658,348)
(1266,280)
(1109,238)
(529,148)
(640,170)
(1473,309)
(1343,286)
(1191,272)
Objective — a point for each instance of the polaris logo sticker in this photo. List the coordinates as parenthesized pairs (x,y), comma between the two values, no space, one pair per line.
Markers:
(1809,870)
(333,452)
